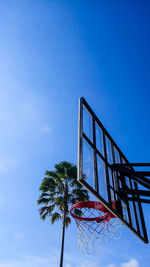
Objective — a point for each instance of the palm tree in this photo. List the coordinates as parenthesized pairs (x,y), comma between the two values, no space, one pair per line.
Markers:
(59,189)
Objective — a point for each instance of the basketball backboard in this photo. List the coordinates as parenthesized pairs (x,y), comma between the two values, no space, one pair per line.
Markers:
(97,156)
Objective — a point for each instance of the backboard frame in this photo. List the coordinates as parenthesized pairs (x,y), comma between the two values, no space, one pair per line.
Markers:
(95,191)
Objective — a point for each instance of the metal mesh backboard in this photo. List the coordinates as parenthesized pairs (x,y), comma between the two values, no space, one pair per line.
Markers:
(96,153)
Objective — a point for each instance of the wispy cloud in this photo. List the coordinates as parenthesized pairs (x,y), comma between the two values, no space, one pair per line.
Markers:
(88,264)
(52,261)
(7,163)
(46,129)
(2,201)
(130,263)
(31,112)
(33,261)
(19,236)
(68,265)
(2,166)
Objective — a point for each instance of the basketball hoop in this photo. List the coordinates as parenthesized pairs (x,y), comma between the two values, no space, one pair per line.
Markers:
(96,225)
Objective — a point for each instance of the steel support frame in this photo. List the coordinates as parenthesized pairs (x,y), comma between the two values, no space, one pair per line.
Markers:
(137,176)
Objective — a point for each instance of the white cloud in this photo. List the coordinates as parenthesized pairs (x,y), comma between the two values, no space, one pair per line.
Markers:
(7,163)
(88,264)
(2,166)
(2,201)
(19,236)
(46,129)
(33,261)
(31,113)
(53,260)
(130,263)
(112,265)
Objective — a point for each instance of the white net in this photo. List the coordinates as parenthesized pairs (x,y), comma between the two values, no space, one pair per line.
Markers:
(92,235)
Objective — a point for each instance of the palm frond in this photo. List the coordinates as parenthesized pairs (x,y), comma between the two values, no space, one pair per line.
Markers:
(51,174)
(41,210)
(59,200)
(72,172)
(44,194)
(67,221)
(48,184)
(79,192)
(55,217)
(43,200)
(46,209)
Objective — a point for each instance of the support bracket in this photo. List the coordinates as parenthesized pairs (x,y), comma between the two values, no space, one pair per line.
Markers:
(127,170)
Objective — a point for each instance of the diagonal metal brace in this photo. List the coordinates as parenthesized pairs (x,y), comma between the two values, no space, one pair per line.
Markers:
(139,177)
(128,170)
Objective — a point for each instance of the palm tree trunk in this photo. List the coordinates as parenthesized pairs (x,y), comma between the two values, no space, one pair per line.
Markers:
(62,241)
(64,219)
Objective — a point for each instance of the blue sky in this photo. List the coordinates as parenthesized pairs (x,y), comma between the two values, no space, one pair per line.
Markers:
(52,53)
